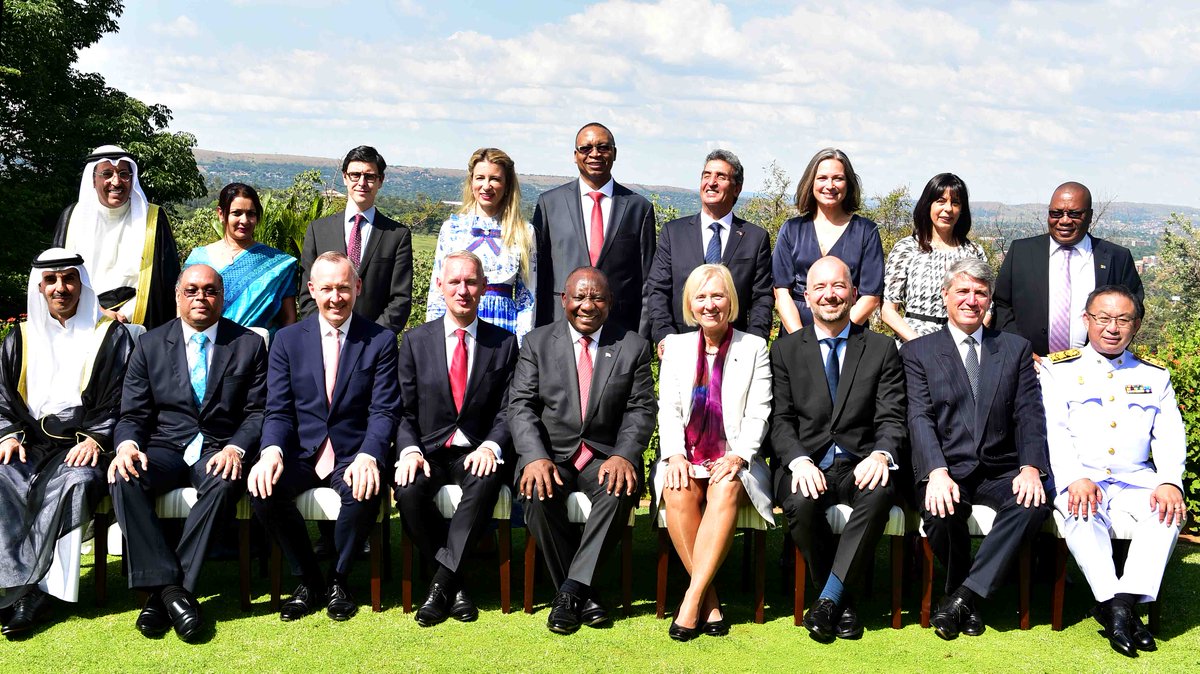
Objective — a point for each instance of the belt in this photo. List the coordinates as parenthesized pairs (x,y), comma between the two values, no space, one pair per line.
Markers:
(927,319)
(503,289)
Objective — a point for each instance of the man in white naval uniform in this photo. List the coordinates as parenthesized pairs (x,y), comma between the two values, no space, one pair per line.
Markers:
(1107,413)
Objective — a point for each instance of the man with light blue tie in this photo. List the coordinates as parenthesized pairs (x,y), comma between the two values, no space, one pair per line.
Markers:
(191,414)
(838,447)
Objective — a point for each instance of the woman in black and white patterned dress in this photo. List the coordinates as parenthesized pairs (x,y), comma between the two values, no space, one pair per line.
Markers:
(917,263)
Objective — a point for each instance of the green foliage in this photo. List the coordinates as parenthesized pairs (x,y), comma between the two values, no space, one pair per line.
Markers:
(1173,287)
(773,204)
(663,212)
(422,215)
(1181,353)
(893,213)
(422,270)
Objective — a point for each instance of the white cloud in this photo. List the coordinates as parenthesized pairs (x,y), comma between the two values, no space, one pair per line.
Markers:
(179,27)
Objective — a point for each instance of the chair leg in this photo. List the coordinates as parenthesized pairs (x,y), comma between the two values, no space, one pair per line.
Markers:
(276,575)
(760,574)
(664,557)
(406,573)
(800,573)
(746,552)
(1153,619)
(627,570)
(244,562)
(926,580)
(1024,572)
(504,528)
(100,556)
(387,545)
(530,568)
(1060,585)
(377,567)
(897,578)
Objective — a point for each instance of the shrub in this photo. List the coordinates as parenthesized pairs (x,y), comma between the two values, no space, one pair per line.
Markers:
(1181,353)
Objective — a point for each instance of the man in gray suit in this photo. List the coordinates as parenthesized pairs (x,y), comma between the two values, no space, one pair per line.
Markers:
(596,222)
(580,428)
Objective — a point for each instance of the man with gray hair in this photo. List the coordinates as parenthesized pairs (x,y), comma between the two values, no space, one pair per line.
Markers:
(714,235)
(978,436)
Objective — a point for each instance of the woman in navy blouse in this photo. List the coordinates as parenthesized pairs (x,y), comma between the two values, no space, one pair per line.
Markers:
(827,198)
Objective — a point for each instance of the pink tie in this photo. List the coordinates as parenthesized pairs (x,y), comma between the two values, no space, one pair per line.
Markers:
(1060,324)
(597,238)
(354,246)
(458,370)
(584,454)
(331,350)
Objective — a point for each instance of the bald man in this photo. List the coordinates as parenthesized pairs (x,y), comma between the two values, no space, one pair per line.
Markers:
(1045,280)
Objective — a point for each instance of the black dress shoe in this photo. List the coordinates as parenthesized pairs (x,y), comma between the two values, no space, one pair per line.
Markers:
(949,617)
(184,613)
(718,627)
(564,613)
(436,608)
(972,625)
(1142,638)
(849,626)
(819,621)
(680,633)
(26,612)
(463,610)
(593,613)
(304,600)
(341,603)
(1120,630)
(153,621)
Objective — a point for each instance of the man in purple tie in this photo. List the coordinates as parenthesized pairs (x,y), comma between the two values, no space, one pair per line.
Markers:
(1045,280)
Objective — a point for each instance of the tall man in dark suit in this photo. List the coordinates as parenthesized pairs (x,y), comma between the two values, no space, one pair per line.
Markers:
(191,413)
(580,428)
(978,437)
(714,235)
(1045,280)
(596,222)
(838,447)
(332,400)
(453,429)
(380,248)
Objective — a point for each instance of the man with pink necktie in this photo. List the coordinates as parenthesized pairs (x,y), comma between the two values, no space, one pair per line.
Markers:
(580,428)
(1045,280)
(332,401)
(595,222)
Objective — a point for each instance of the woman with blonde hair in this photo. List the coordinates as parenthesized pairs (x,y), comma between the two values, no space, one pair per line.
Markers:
(489,224)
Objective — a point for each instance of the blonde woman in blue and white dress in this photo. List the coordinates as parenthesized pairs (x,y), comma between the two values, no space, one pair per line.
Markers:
(490,226)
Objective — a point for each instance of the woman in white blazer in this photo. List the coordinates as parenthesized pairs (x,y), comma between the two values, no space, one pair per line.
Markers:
(714,402)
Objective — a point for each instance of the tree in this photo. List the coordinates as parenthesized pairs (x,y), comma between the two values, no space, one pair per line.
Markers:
(773,204)
(893,213)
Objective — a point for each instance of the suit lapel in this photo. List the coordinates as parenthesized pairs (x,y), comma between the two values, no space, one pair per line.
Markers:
(220,360)
(1101,261)
(606,355)
(574,207)
(377,229)
(955,372)
(810,359)
(176,351)
(337,233)
(735,239)
(855,345)
(691,250)
(480,364)
(564,352)
(351,351)
(989,378)
(616,216)
(1040,281)
(316,366)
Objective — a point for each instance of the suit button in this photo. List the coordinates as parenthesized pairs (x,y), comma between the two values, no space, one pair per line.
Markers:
(1108,471)
(1112,424)
(1110,375)
(1111,398)
(1111,450)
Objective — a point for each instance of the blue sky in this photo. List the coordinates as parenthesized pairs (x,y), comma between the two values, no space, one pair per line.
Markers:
(1015,97)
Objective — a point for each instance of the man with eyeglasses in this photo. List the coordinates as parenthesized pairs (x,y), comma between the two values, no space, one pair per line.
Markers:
(191,414)
(379,248)
(1117,451)
(125,239)
(595,222)
(1045,280)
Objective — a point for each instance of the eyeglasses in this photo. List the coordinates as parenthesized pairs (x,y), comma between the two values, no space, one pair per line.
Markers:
(368,178)
(192,293)
(107,175)
(1074,215)
(1105,321)
(602,148)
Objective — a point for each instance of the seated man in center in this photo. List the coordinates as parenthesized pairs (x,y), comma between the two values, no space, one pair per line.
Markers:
(837,430)
(580,428)
(453,429)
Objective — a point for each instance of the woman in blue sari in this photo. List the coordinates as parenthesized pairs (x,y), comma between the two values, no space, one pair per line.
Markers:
(260,281)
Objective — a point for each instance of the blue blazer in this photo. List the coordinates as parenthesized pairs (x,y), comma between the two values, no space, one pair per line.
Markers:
(366,396)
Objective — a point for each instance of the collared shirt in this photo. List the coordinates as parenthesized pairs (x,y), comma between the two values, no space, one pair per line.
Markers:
(706,234)
(585,203)
(958,336)
(211,336)
(576,347)
(1083,282)
(368,225)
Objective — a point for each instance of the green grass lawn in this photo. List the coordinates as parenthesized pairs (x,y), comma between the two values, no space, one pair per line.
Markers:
(424,243)
(85,638)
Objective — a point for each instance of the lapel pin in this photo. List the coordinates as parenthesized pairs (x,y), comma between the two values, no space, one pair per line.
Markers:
(607,354)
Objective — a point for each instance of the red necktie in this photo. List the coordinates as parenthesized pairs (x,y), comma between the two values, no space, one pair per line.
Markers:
(354,246)
(584,454)
(331,348)
(458,370)
(597,238)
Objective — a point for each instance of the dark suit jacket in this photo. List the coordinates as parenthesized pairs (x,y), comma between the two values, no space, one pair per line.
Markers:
(868,414)
(559,225)
(543,407)
(386,270)
(680,250)
(158,408)
(366,396)
(428,417)
(1002,430)
(1022,302)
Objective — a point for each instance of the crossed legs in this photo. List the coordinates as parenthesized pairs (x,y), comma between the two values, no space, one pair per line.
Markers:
(701,519)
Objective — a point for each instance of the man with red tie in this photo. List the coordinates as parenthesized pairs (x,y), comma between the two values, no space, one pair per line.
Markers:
(580,428)
(453,429)
(332,400)
(595,222)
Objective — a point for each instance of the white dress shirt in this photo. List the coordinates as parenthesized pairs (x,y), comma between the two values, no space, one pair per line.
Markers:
(586,203)
(958,336)
(368,226)
(706,234)
(1083,282)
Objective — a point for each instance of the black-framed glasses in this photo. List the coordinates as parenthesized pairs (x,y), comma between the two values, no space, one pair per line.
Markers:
(192,293)
(368,178)
(1104,320)
(602,148)
(1057,213)
(107,175)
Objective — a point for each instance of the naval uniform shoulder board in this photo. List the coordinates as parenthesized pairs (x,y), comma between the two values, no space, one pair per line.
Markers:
(1063,356)
(1152,361)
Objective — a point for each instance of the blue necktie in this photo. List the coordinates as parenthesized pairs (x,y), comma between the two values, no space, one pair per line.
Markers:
(832,365)
(713,254)
(199,375)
